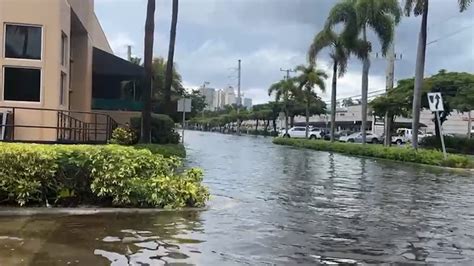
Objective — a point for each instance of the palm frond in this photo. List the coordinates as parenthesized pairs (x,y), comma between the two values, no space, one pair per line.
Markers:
(464,4)
(322,40)
(383,25)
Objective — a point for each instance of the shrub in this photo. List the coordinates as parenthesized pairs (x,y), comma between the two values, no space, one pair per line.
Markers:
(453,144)
(124,136)
(106,175)
(162,129)
(404,154)
(167,150)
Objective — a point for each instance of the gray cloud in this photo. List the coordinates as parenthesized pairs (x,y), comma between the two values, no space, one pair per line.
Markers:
(269,34)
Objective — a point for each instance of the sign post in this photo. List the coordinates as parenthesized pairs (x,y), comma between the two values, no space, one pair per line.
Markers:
(184,106)
(435,101)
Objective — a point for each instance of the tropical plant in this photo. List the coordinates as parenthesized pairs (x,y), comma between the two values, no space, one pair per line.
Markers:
(158,89)
(309,77)
(420,7)
(339,54)
(284,89)
(358,16)
(148,58)
(169,67)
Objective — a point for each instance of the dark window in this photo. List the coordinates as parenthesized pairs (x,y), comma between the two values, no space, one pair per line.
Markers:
(23,42)
(62,92)
(63,49)
(22,84)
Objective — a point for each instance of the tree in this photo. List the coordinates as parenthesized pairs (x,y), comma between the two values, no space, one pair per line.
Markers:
(358,16)
(339,55)
(158,88)
(198,103)
(348,102)
(309,77)
(148,57)
(136,61)
(283,89)
(420,7)
(169,67)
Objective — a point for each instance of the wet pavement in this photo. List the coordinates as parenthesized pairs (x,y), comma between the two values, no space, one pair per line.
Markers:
(271,205)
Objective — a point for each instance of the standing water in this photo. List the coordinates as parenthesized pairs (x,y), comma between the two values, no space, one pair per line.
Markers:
(270,205)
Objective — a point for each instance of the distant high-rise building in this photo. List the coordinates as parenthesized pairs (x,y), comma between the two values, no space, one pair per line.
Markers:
(219,99)
(229,96)
(247,103)
(208,94)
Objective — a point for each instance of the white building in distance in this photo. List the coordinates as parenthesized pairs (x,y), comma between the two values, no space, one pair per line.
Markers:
(208,94)
(247,103)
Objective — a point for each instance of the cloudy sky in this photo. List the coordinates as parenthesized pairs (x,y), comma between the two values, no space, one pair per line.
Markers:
(272,34)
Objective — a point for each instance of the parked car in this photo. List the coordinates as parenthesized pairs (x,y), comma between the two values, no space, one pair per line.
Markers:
(357,138)
(294,132)
(316,133)
(337,135)
(404,135)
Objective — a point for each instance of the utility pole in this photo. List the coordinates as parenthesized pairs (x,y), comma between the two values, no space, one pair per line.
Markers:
(129,52)
(286,96)
(239,101)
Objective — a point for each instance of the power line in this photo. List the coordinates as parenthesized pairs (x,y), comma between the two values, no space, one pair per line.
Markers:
(449,35)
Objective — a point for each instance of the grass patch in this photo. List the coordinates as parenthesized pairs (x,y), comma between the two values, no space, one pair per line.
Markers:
(167,150)
(103,175)
(404,154)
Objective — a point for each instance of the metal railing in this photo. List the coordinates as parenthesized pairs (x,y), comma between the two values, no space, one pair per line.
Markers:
(74,127)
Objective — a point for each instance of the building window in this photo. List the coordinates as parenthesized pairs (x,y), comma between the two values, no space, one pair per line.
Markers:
(23,42)
(22,84)
(63,49)
(63,89)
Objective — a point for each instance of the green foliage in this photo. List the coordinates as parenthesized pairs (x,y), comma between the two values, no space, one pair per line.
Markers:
(404,154)
(167,150)
(162,129)
(453,144)
(105,175)
(124,136)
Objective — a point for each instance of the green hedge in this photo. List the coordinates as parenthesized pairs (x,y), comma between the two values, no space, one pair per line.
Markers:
(404,154)
(453,144)
(109,175)
(167,150)
(162,129)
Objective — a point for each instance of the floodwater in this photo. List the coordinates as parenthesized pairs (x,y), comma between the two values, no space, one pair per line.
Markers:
(271,205)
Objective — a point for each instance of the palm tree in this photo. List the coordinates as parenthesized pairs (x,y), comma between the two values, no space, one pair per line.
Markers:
(283,89)
(339,55)
(420,7)
(169,66)
(309,78)
(358,16)
(148,61)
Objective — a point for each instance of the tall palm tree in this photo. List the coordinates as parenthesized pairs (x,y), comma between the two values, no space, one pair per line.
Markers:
(170,61)
(283,89)
(358,16)
(309,78)
(339,54)
(148,61)
(420,7)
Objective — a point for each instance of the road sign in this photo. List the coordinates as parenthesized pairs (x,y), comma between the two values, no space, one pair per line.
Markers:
(184,105)
(436,102)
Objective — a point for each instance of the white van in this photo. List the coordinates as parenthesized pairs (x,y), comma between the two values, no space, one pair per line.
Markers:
(404,135)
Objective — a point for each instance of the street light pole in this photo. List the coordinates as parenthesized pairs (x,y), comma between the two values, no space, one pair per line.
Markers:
(239,99)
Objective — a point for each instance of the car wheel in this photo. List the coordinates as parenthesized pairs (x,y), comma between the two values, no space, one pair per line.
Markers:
(350,140)
(312,137)
(399,142)
(375,141)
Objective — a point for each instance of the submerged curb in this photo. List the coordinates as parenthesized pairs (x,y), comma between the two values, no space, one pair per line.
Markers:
(86,211)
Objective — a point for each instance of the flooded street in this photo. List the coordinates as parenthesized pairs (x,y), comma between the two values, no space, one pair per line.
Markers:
(271,205)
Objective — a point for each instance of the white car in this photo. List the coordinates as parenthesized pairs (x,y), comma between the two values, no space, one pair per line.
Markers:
(357,137)
(315,133)
(404,135)
(294,132)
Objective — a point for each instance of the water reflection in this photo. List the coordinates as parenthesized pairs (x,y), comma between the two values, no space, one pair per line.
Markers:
(271,205)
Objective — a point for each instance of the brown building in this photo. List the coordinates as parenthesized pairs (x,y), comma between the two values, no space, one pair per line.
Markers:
(55,64)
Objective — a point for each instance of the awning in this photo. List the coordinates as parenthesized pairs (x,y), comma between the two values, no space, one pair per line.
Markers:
(110,65)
